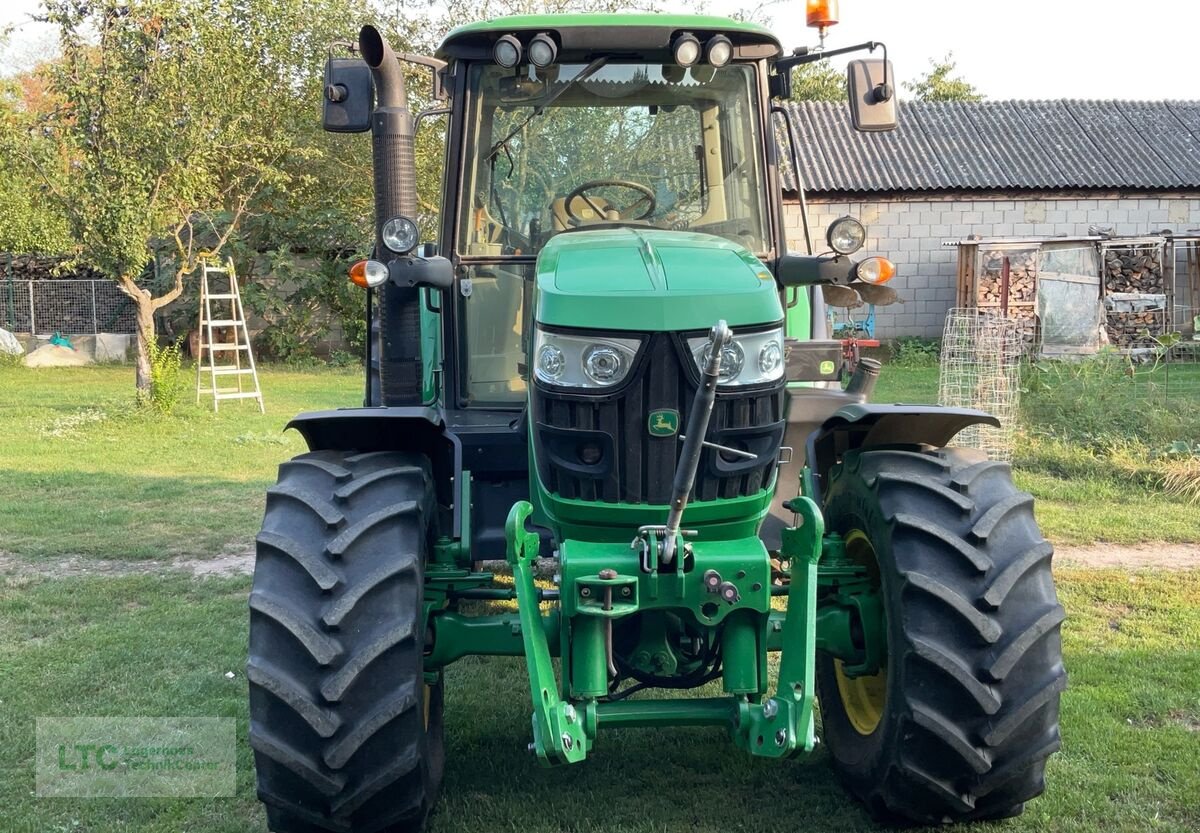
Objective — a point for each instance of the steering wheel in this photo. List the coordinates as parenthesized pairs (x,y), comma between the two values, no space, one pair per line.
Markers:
(647,197)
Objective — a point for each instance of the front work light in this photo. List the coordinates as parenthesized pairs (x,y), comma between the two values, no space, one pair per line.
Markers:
(507,51)
(846,235)
(368,273)
(400,235)
(686,50)
(719,51)
(542,50)
(875,270)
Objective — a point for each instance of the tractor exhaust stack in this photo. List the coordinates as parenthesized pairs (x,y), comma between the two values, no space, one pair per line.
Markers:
(392,152)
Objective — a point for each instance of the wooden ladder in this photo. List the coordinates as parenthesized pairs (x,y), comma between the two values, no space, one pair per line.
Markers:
(229,319)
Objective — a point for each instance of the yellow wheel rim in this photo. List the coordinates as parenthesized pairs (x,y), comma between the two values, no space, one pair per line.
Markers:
(864,698)
(428,693)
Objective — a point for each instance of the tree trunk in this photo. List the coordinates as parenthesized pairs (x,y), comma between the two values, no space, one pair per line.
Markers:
(145,336)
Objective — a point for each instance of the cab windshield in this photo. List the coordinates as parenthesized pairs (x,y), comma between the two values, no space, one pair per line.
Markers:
(636,144)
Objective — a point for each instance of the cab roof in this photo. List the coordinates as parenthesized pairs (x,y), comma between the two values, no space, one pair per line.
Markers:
(581,35)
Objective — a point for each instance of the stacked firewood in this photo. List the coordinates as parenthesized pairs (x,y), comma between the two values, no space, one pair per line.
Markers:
(1135,269)
(1027,322)
(1022,276)
(1135,329)
(26,267)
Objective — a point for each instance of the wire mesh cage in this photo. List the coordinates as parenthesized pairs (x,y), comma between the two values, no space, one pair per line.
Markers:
(1166,366)
(980,368)
(72,307)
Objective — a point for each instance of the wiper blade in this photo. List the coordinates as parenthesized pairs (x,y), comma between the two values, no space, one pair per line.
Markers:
(585,73)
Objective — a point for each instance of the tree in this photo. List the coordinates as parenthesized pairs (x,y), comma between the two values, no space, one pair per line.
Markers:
(819,81)
(940,83)
(30,223)
(176,115)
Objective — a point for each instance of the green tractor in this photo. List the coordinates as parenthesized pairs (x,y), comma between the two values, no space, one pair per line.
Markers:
(608,372)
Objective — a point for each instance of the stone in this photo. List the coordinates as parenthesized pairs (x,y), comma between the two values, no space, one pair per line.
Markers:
(10,345)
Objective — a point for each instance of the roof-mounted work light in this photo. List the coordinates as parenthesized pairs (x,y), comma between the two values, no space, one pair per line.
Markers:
(719,51)
(542,50)
(507,51)
(686,49)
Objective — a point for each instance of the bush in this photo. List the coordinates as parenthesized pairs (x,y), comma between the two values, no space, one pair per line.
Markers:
(911,351)
(166,376)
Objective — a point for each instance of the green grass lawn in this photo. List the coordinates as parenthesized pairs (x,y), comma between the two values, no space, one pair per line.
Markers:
(82,472)
(1130,759)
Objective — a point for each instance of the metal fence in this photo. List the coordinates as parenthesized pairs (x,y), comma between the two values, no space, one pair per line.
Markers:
(1167,366)
(71,307)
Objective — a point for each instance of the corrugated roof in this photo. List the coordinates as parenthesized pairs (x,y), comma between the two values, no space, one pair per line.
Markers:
(999,145)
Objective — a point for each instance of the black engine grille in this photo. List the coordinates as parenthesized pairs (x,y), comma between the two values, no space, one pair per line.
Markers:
(635,467)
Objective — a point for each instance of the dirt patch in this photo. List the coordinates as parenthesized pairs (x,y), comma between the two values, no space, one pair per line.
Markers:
(223,566)
(241,562)
(1135,557)
(68,566)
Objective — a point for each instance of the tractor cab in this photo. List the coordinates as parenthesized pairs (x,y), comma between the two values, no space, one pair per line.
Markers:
(563,135)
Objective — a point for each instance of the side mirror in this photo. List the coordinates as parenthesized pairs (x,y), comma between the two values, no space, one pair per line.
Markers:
(347,97)
(872,96)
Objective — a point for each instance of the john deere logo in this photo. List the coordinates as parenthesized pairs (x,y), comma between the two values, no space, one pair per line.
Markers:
(664,423)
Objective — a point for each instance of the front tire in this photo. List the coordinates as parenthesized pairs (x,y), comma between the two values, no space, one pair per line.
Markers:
(346,735)
(959,723)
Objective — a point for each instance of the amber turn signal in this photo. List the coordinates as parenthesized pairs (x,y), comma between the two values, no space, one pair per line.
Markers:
(368,273)
(875,270)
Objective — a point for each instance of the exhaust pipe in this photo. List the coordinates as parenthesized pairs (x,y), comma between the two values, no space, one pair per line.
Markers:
(395,170)
(862,382)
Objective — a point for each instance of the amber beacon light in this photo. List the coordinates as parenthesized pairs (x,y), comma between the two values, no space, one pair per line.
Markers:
(822,13)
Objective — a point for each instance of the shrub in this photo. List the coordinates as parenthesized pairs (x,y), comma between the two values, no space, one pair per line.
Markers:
(166,377)
(911,351)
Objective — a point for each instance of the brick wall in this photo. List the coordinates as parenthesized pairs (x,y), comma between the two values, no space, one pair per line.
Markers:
(911,234)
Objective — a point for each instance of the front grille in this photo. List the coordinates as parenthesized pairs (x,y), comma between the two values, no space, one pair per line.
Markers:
(635,467)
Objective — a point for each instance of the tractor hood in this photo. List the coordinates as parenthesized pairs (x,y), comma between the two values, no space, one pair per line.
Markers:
(651,280)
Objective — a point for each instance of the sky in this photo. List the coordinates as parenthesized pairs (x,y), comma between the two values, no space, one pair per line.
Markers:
(1098,49)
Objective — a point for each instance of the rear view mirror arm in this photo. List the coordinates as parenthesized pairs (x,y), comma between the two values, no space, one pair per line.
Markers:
(805,55)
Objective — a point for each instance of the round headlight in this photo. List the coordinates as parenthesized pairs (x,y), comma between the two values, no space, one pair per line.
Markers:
(720,50)
(400,234)
(769,358)
(550,363)
(732,360)
(542,50)
(603,364)
(686,50)
(846,235)
(507,51)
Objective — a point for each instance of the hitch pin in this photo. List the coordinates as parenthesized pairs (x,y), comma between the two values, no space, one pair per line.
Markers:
(608,575)
(736,452)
